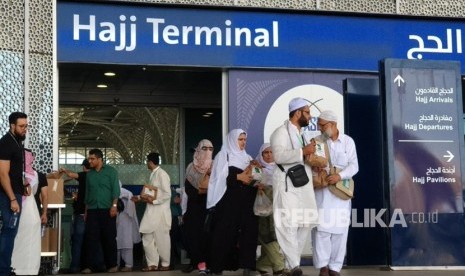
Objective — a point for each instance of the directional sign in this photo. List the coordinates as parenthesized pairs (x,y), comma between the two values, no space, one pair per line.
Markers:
(425,146)
(449,156)
(399,80)
(423,113)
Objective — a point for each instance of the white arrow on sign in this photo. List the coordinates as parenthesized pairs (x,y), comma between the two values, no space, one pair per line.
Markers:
(449,155)
(399,80)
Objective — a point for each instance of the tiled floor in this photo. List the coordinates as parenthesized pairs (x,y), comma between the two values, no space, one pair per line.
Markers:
(310,271)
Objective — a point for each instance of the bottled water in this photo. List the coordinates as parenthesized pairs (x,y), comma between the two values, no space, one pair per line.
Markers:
(13,220)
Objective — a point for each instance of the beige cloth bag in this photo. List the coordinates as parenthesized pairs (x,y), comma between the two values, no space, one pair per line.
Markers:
(320,160)
(343,189)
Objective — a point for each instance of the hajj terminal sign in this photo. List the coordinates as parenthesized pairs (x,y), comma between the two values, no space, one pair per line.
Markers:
(112,33)
(425,135)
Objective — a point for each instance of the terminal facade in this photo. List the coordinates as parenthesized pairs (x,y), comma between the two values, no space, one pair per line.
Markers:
(34,48)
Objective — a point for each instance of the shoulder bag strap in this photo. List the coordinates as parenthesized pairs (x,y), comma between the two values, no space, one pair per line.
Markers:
(284,171)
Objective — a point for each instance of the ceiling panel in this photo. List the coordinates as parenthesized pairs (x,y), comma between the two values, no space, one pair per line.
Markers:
(87,113)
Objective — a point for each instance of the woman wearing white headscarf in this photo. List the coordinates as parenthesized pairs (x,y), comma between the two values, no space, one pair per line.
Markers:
(270,252)
(26,252)
(234,227)
(196,211)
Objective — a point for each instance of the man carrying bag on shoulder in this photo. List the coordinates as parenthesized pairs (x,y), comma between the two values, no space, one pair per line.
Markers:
(330,237)
(294,206)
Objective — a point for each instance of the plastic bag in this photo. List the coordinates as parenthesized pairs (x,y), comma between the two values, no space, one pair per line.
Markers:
(262,206)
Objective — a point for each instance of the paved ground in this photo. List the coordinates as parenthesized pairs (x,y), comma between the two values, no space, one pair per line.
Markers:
(310,271)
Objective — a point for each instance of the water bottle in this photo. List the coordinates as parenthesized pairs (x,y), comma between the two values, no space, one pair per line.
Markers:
(42,231)
(13,220)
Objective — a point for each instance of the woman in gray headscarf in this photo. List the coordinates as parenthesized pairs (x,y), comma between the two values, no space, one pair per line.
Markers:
(270,252)
(196,211)
(234,226)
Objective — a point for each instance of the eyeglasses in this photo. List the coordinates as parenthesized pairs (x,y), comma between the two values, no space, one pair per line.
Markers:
(207,148)
(321,126)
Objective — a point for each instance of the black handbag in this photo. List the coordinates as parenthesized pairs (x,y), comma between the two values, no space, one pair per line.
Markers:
(120,205)
(297,174)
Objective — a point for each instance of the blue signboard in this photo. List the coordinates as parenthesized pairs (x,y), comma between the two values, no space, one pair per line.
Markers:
(154,35)
(423,111)
(424,114)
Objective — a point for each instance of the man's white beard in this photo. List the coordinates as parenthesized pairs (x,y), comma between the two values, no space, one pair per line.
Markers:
(327,134)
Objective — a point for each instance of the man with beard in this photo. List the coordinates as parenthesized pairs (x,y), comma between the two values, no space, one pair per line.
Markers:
(330,237)
(12,189)
(294,208)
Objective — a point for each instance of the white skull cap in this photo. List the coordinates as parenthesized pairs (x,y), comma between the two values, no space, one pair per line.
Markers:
(328,115)
(297,103)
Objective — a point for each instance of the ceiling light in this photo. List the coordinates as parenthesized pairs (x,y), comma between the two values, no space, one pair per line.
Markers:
(209,113)
(110,74)
(102,85)
(206,115)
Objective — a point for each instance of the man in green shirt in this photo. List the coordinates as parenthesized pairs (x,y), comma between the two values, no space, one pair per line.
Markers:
(102,193)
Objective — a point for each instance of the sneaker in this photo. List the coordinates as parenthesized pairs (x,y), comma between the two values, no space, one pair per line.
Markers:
(113,269)
(126,269)
(86,271)
(203,272)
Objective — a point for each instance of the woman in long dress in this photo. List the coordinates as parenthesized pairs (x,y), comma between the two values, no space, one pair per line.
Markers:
(196,211)
(270,256)
(26,252)
(230,194)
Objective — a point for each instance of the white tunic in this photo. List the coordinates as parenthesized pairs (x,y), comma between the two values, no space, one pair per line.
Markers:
(158,214)
(295,199)
(127,224)
(294,210)
(335,212)
(26,252)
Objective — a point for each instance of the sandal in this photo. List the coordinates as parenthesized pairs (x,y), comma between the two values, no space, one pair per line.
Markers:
(163,268)
(150,268)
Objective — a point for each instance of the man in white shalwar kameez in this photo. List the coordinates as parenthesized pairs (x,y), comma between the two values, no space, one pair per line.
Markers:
(156,222)
(330,237)
(294,208)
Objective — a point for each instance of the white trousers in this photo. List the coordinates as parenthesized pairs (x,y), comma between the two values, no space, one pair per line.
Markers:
(127,256)
(292,241)
(157,247)
(329,249)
